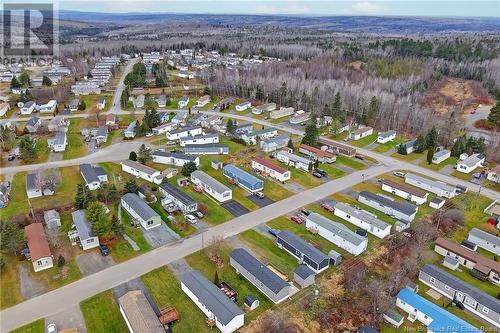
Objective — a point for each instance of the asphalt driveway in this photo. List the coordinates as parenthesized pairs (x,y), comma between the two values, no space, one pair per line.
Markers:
(261,202)
(160,235)
(235,208)
(92,262)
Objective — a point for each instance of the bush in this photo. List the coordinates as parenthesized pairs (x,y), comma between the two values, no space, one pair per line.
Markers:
(2,264)
(61,261)
(132,156)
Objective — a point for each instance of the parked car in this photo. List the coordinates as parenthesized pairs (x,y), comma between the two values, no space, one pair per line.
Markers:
(304,211)
(461,188)
(296,219)
(359,157)
(11,158)
(198,214)
(327,207)
(362,232)
(399,174)
(51,328)
(302,217)
(273,232)
(317,174)
(104,249)
(322,172)
(259,195)
(149,134)
(190,218)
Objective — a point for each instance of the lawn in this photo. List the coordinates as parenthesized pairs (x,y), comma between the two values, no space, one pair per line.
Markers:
(353,202)
(364,141)
(34,327)
(76,147)
(201,262)
(408,158)
(464,274)
(461,175)
(10,292)
(134,233)
(491,185)
(166,291)
(473,206)
(333,173)
(101,314)
(351,163)
(303,178)
(275,191)
(183,230)
(437,167)
(389,145)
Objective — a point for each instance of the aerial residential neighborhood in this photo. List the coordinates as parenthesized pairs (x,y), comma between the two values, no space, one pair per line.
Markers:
(247,167)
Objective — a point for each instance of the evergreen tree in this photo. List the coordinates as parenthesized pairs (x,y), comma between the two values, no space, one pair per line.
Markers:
(113,193)
(290,143)
(46,81)
(11,238)
(372,112)
(144,154)
(402,149)
(61,261)
(131,186)
(132,156)
(336,106)
(124,97)
(14,83)
(188,168)
(207,91)
(82,105)
(420,144)
(27,148)
(430,155)
(494,115)
(311,134)
(96,214)
(431,138)
(116,226)
(230,127)
(83,197)
(24,79)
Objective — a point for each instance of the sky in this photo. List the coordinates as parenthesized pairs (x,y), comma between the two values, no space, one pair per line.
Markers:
(288,7)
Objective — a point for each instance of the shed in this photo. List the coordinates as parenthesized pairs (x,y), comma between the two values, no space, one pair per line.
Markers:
(469,244)
(52,219)
(335,257)
(450,262)
(303,276)
(437,202)
(393,318)
(216,164)
(251,302)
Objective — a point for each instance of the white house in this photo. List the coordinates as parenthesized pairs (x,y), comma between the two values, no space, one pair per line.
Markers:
(494,174)
(439,188)
(199,139)
(404,191)
(363,220)
(471,163)
(58,143)
(94,176)
(101,103)
(167,127)
(268,168)
(485,240)
(183,102)
(82,232)
(185,75)
(384,137)
(184,132)
(142,171)
(441,156)
(361,133)
(211,186)
(38,246)
(180,198)
(202,101)
(140,211)
(50,107)
(28,107)
(243,106)
(337,233)
(293,160)
(268,107)
(228,317)
(281,112)
(175,159)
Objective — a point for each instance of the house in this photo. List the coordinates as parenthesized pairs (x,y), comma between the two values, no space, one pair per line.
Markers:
(52,219)
(58,124)
(225,103)
(367,329)
(437,203)
(480,266)
(244,128)
(40,254)
(185,75)
(34,186)
(300,117)
(183,200)
(212,187)
(485,240)
(208,149)
(268,168)
(282,112)
(197,119)
(175,159)
(83,231)
(199,139)
(257,273)
(400,210)
(73,105)
(439,188)
(101,103)
(142,171)
(139,102)
(242,178)
(304,252)
(129,132)
(274,143)
(202,101)
(49,107)
(184,132)
(476,301)
(337,233)
(213,121)
(471,163)
(337,148)
(179,118)
(303,276)
(85,88)
(33,125)
(252,137)
(94,176)
(183,102)
(164,128)
(111,119)
(404,191)
(139,314)
(361,133)
(293,160)
(164,116)
(410,146)
(494,174)
(431,315)
(212,301)
(139,210)
(102,135)
(268,107)
(363,220)
(384,137)
(162,101)
(58,143)
(441,155)
(243,106)
(28,107)
(316,154)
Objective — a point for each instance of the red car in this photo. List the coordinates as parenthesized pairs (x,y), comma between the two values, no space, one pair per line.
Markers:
(296,219)
(327,207)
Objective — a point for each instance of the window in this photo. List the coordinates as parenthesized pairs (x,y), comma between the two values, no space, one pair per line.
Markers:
(433,280)
(446,287)
(486,310)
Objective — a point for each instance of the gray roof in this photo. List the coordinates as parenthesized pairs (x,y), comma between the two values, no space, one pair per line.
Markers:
(480,296)
(180,156)
(403,207)
(203,136)
(131,127)
(386,134)
(294,157)
(302,246)
(478,233)
(260,271)
(260,132)
(50,214)
(410,143)
(32,121)
(303,271)
(59,138)
(139,206)
(210,296)
(74,103)
(88,173)
(184,129)
(472,160)
(101,100)
(210,181)
(32,181)
(278,139)
(363,216)
(442,152)
(440,185)
(437,200)
(102,131)
(29,104)
(184,98)
(179,194)
(180,115)
(450,260)
(82,224)
(337,228)
(209,147)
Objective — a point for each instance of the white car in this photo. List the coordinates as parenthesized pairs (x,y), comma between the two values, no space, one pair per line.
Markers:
(51,328)
(399,174)
(190,218)
(149,134)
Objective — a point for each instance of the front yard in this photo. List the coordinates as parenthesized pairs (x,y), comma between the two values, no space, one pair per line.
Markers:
(102,314)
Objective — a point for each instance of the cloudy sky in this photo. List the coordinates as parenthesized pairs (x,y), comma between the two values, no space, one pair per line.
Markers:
(304,7)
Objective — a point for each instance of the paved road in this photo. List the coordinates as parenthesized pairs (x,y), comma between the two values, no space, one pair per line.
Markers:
(58,300)
(116,105)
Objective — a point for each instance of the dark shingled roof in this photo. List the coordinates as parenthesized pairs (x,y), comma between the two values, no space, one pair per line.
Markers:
(302,246)
(177,193)
(139,206)
(303,271)
(89,173)
(403,207)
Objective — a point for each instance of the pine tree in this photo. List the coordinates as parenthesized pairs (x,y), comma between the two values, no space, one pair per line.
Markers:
(46,81)
(188,168)
(96,214)
(230,127)
(12,237)
(132,156)
(494,115)
(430,155)
(420,144)
(402,149)
(372,112)
(336,106)
(27,148)
(290,143)
(311,134)
(131,186)
(431,138)
(116,226)
(14,83)
(144,154)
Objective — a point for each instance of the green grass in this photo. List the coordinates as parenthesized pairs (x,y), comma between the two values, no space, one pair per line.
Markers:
(76,147)
(333,172)
(134,233)
(10,292)
(491,185)
(437,167)
(182,230)
(351,163)
(389,145)
(274,191)
(166,291)
(350,200)
(34,327)
(464,274)
(408,158)
(364,141)
(473,206)
(101,314)
(461,175)
(303,178)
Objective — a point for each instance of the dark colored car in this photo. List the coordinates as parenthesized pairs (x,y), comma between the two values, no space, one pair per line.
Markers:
(296,219)
(198,214)
(104,249)
(11,158)
(362,232)
(317,174)
(273,232)
(305,211)
(359,157)
(322,172)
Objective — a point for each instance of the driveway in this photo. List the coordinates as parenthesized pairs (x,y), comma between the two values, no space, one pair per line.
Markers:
(29,287)
(93,262)
(160,235)
(261,202)
(71,317)
(53,157)
(293,187)
(235,208)
(179,267)
(135,284)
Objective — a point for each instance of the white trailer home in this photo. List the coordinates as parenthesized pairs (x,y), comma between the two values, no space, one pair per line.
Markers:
(211,186)
(362,219)
(142,171)
(439,188)
(404,191)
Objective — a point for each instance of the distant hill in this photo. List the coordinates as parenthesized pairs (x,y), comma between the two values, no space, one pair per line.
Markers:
(374,24)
